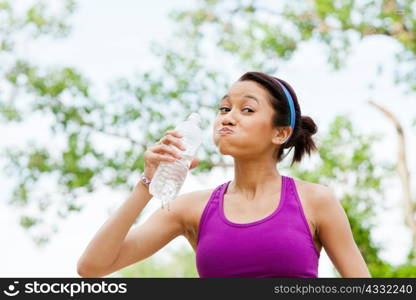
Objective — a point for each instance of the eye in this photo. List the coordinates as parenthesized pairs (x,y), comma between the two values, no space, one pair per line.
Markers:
(221,109)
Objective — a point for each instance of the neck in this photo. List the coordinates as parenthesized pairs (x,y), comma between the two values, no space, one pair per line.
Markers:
(254,178)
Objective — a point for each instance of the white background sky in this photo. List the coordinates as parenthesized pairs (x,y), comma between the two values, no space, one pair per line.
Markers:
(111,38)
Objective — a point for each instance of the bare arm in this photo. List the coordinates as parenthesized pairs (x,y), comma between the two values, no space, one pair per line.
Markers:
(115,245)
(105,247)
(337,239)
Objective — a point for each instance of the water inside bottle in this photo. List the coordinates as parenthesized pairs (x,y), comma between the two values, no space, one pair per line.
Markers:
(168,180)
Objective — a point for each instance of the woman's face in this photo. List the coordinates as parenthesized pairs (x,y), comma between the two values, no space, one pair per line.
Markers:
(246,110)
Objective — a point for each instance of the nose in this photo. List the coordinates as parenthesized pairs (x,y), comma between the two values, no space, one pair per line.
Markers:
(228,118)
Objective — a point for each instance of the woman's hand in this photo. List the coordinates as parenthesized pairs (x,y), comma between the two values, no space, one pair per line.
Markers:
(163,150)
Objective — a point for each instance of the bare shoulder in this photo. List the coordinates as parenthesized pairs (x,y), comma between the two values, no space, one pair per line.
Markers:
(315,198)
(190,207)
(192,201)
(317,194)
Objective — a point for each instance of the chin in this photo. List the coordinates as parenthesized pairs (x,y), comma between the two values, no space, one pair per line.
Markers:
(225,149)
(224,152)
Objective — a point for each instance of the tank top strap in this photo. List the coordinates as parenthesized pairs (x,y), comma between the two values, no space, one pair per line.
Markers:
(300,212)
(219,191)
(294,196)
(211,208)
(293,203)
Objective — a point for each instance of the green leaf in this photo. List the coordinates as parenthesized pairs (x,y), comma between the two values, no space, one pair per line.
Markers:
(28,222)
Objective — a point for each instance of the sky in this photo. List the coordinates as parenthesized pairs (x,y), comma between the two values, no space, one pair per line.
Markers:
(111,39)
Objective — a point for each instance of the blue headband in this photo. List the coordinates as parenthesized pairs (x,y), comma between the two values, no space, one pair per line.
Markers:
(292,108)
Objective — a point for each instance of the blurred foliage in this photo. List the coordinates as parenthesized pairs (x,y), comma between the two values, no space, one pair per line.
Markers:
(348,166)
(259,32)
(94,143)
(387,270)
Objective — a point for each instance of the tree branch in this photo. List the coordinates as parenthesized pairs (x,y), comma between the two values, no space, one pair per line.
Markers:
(408,205)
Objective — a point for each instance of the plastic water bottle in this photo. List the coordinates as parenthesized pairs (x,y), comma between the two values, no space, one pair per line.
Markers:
(170,176)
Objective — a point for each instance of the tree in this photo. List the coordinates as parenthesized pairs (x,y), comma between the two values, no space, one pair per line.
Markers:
(48,180)
(27,90)
(347,165)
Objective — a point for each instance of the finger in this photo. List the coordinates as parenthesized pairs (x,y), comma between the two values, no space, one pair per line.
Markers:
(170,140)
(162,157)
(167,149)
(178,134)
(174,133)
(194,163)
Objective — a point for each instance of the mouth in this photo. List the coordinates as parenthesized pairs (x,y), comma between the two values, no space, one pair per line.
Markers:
(225,131)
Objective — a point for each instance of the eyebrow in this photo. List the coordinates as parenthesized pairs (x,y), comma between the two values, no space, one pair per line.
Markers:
(244,96)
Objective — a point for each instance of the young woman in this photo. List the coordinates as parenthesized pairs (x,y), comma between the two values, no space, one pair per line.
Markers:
(260,224)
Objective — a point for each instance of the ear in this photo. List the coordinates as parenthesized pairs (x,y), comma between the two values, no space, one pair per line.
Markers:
(281,135)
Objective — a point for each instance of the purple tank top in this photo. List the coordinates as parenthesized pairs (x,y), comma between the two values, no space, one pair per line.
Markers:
(279,245)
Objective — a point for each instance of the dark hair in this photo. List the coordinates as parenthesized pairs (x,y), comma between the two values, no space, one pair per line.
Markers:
(305,127)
